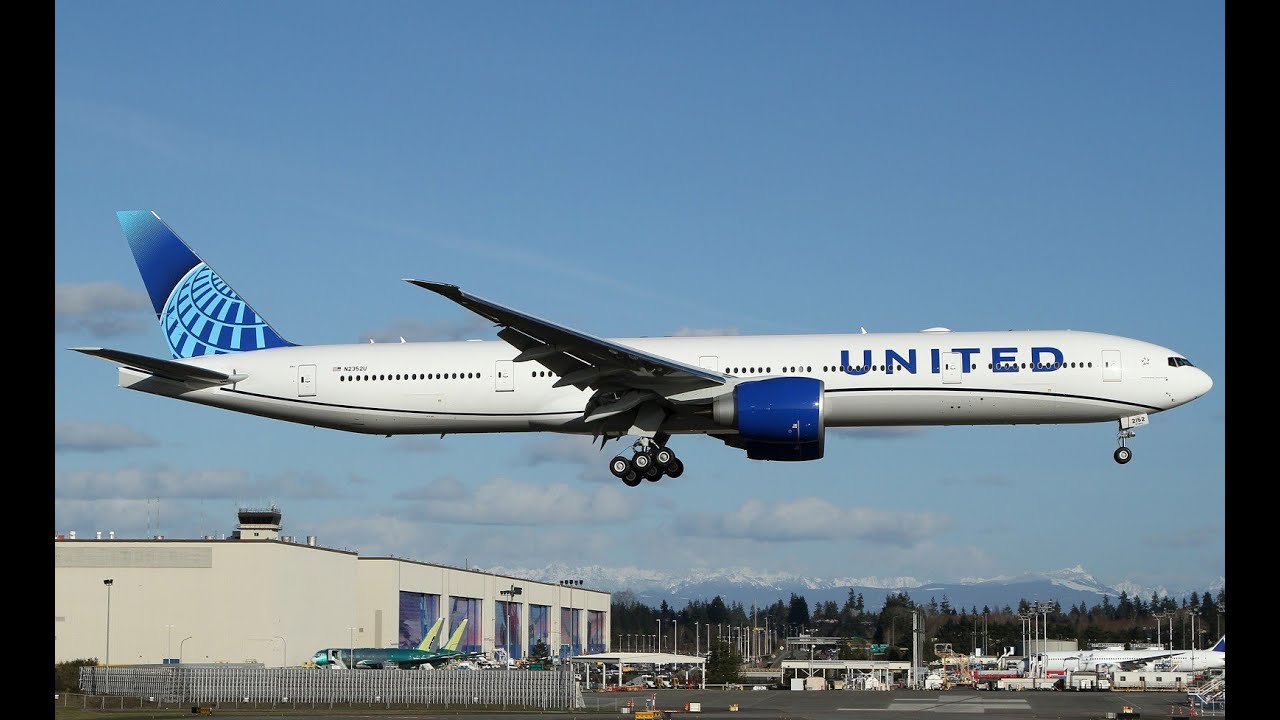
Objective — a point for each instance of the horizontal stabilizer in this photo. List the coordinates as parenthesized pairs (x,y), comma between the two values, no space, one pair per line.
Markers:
(168,369)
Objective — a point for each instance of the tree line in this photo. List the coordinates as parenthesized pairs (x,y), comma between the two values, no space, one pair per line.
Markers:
(1194,621)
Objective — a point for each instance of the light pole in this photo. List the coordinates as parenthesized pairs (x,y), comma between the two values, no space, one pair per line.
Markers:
(108,582)
(1160,616)
(514,591)
(351,648)
(184,640)
(1025,617)
(659,634)
(573,634)
(1044,608)
(168,653)
(284,650)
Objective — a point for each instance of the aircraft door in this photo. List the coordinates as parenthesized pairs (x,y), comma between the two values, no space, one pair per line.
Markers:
(709,362)
(951,371)
(306,380)
(504,376)
(1111,369)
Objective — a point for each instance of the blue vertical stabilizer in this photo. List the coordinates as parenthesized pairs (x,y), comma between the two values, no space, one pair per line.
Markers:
(199,313)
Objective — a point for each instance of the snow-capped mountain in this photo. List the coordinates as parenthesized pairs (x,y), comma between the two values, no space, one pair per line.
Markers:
(745,586)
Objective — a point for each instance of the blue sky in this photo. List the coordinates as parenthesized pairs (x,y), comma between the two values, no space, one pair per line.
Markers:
(633,169)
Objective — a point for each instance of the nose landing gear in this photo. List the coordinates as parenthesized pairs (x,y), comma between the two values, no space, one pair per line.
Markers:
(1122,453)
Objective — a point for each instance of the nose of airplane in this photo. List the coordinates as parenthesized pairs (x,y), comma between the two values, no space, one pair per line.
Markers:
(1203,383)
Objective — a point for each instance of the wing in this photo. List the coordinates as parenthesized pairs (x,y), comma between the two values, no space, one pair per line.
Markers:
(583,360)
(1135,663)
(624,378)
(168,369)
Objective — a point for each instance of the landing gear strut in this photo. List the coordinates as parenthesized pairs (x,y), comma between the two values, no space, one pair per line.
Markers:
(650,461)
(1123,454)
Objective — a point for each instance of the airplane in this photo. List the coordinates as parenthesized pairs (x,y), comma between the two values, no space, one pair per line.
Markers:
(424,645)
(1173,660)
(408,658)
(771,396)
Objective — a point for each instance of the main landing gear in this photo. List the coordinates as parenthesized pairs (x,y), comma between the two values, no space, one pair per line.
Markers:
(649,461)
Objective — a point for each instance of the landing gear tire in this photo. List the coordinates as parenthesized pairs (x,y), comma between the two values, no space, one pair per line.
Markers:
(631,479)
(619,466)
(675,469)
(663,457)
(642,461)
(653,473)
(1123,455)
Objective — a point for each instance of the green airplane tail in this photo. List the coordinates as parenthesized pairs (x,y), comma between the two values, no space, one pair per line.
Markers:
(456,637)
(431,635)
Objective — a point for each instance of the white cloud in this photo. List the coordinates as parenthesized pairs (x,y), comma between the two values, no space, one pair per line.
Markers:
(579,450)
(100,309)
(98,437)
(139,483)
(503,501)
(807,519)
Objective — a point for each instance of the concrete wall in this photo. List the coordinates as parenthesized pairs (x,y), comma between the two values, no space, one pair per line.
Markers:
(226,600)
(265,601)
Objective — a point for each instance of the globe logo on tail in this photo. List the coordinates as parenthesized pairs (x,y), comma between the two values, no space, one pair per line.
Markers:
(204,316)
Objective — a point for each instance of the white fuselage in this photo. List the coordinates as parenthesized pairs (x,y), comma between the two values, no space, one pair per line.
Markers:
(1179,661)
(879,379)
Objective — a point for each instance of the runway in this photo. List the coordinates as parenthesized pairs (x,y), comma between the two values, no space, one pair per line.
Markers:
(788,705)
(898,704)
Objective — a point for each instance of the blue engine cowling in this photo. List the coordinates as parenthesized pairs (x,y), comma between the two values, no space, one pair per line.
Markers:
(776,419)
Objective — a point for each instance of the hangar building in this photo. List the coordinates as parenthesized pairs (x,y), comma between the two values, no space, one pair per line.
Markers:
(260,597)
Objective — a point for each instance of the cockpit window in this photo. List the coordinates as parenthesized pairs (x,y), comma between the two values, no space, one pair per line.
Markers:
(1179,362)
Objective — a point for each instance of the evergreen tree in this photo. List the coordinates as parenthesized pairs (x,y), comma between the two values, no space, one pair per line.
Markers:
(716,611)
(723,664)
(1124,609)
(799,612)
(540,652)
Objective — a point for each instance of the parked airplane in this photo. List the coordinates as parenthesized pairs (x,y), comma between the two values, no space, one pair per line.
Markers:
(407,658)
(1175,660)
(772,396)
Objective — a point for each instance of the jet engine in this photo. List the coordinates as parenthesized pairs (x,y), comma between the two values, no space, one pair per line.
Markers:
(776,419)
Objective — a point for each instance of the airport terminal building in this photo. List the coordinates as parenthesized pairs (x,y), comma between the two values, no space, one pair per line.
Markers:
(260,597)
